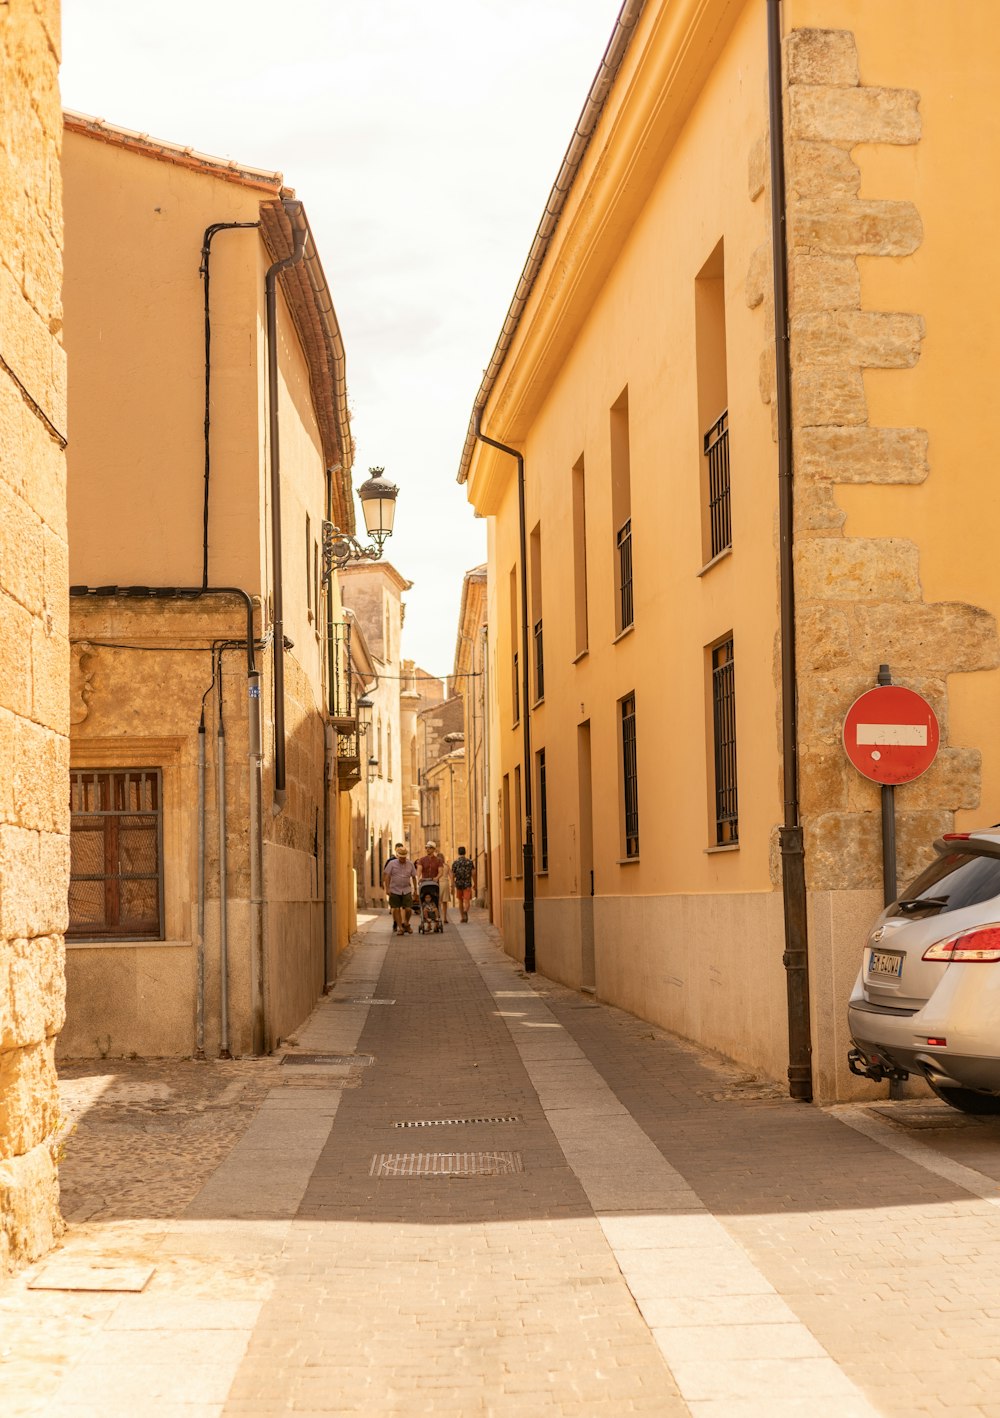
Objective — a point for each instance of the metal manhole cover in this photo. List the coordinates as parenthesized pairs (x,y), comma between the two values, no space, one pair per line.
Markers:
(318,1060)
(363,999)
(455,1122)
(445,1164)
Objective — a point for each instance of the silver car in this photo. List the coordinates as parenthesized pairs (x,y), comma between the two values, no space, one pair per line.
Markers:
(927,999)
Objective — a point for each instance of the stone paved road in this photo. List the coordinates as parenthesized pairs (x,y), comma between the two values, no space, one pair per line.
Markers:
(630,1226)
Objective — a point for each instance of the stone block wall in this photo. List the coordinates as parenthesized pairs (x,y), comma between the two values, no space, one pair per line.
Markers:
(859,600)
(34,674)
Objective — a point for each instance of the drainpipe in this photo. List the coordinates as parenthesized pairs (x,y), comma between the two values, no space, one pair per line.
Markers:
(529,843)
(300,232)
(204,272)
(793,879)
(486,885)
(220,760)
(199,1049)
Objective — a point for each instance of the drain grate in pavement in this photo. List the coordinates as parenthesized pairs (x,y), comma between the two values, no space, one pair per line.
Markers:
(318,1060)
(445,1164)
(925,1116)
(455,1122)
(363,999)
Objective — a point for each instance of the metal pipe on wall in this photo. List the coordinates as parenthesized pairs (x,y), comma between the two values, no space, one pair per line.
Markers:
(529,841)
(793,879)
(258,959)
(199,1046)
(220,766)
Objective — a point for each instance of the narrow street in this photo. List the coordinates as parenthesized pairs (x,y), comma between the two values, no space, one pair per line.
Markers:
(501,1197)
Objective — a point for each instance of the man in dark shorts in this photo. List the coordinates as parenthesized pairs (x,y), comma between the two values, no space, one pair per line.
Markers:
(428,869)
(463,874)
(399,881)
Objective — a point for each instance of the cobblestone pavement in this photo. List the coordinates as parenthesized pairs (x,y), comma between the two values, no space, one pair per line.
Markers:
(478,1193)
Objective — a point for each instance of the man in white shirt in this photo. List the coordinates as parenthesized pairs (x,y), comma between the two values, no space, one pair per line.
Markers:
(399,879)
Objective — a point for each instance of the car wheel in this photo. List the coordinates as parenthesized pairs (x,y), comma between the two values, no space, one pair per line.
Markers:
(967,1100)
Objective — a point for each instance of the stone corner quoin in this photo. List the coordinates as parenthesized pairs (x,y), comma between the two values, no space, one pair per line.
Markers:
(34,652)
(860,600)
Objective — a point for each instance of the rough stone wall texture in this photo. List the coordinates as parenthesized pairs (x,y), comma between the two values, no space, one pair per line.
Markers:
(34,674)
(859,600)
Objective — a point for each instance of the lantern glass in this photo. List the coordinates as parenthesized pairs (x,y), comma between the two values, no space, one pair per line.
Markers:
(379,513)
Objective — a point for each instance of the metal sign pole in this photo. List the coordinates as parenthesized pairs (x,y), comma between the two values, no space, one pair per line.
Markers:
(889,888)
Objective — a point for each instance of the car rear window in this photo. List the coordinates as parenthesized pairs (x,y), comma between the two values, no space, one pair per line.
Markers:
(955,880)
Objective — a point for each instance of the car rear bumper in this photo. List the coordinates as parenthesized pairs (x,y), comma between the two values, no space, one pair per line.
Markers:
(899,1039)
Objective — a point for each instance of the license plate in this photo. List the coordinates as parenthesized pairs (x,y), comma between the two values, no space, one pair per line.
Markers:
(885,963)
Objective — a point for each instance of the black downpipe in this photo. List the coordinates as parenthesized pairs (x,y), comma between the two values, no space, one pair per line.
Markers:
(203,271)
(793,877)
(529,843)
(278,648)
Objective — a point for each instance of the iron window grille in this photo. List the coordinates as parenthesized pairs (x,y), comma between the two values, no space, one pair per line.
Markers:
(543,815)
(517,690)
(623,542)
(630,776)
(724,721)
(717,453)
(116,855)
(539,662)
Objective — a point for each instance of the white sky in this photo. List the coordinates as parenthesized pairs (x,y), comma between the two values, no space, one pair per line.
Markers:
(423,139)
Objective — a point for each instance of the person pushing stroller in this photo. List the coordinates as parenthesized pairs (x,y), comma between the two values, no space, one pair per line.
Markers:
(429,890)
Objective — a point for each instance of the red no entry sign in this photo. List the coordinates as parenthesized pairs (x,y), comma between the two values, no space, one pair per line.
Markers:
(891,734)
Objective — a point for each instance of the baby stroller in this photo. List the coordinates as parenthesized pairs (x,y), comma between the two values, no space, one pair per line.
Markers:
(430,908)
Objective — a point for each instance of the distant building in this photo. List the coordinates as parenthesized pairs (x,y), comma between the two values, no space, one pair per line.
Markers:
(373,592)
(210,827)
(420,690)
(470,681)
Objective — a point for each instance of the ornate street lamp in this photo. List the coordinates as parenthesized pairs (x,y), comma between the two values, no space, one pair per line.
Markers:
(378,503)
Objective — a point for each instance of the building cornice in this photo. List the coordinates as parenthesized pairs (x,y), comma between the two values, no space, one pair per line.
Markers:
(659,79)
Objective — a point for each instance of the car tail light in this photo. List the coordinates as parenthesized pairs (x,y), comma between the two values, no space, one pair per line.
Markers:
(981,944)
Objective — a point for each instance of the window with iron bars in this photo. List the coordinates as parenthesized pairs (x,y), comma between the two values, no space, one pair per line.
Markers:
(517,690)
(116,854)
(623,542)
(539,663)
(724,723)
(543,815)
(630,776)
(717,453)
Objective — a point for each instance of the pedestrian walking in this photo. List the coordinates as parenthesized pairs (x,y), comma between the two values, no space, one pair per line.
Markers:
(463,874)
(445,880)
(428,885)
(400,881)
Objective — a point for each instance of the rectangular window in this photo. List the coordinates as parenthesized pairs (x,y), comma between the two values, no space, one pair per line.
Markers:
(713,404)
(717,454)
(535,552)
(518,825)
(516,684)
(309,544)
(621,512)
(316,598)
(543,813)
(506,826)
(724,733)
(580,556)
(116,855)
(630,777)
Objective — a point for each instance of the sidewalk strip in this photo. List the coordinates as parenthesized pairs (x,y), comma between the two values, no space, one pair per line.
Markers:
(857,1116)
(735,1348)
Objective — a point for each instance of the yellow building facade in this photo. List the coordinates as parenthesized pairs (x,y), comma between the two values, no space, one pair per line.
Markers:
(212,881)
(636,376)
(470,679)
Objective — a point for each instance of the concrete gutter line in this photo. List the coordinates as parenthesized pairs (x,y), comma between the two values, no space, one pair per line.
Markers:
(628,18)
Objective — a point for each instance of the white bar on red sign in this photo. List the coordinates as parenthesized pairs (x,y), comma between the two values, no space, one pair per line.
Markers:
(900,735)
